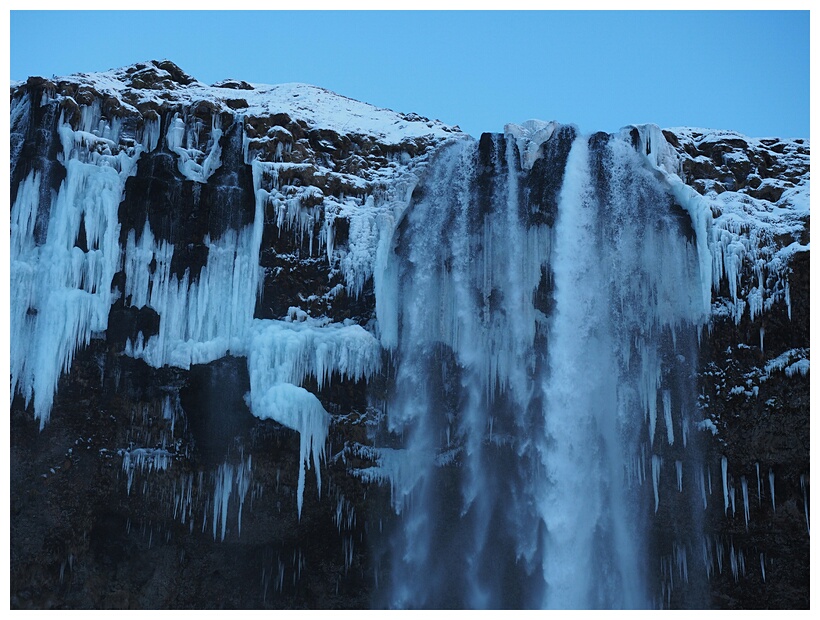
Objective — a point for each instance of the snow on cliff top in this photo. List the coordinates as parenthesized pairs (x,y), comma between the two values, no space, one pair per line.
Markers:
(707,134)
(321,107)
(790,175)
(317,106)
(163,82)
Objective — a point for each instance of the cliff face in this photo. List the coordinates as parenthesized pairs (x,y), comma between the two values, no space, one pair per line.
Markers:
(149,464)
(754,378)
(199,368)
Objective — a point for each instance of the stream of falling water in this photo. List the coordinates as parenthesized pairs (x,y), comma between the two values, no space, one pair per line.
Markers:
(543,314)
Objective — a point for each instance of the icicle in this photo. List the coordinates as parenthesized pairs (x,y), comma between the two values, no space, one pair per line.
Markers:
(706,555)
(243,483)
(745,490)
(771,487)
(195,165)
(282,355)
(724,464)
(667,416)
(679,552)
(803,486)
(719,554)
(203,319)
(762,567)
(143,459)
(650,400)
(788,299)
(757,469)
(656,473)
(292,350)
(741,559)
(709,474)
(702,485)
(679,470)
(299,410)
(643,463)
(222,494)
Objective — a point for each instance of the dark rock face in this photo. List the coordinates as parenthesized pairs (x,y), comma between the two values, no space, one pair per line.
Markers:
(760,408)
(763,431)
(157,488)
(117,503)
(34,147)
(183,212)
(544,181)
(719,163)
(89,532)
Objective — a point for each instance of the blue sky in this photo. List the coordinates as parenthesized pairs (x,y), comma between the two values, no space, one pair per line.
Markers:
(747,71)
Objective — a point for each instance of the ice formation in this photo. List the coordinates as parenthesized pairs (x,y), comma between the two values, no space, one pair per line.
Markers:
(743,231)
(204,319)
(61,292)
(540,295)
(193,163)
(200,320)
(282,354)
(228,477)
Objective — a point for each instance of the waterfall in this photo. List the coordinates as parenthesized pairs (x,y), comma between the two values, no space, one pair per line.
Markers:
(547,307)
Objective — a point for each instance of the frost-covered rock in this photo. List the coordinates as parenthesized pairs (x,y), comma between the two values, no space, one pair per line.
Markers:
(292,161)
(758,191)
(754,362)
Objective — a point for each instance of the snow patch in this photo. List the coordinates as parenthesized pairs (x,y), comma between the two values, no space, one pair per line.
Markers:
(791,362)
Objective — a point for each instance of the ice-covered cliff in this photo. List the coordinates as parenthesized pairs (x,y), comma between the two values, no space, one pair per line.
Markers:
(216,289)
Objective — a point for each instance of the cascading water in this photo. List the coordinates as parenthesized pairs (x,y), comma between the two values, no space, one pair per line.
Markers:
(548,298)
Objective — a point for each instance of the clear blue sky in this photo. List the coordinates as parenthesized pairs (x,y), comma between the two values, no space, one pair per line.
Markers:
(747,71)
